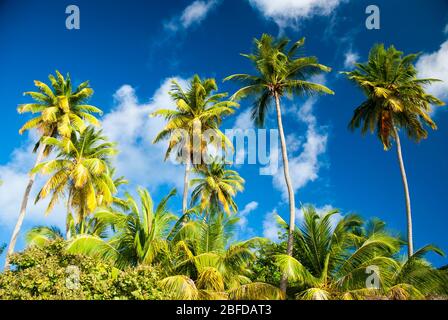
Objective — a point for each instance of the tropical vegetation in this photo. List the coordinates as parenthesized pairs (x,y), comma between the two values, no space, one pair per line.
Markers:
(118,243)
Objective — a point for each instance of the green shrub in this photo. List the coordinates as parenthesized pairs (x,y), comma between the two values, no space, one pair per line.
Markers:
(43,273)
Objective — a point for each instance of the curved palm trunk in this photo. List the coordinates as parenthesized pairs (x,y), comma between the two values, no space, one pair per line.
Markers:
(185,194)
(22,213)
(292,207)
(406,194)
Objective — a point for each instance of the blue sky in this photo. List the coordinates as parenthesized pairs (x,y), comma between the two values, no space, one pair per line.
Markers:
(130,50)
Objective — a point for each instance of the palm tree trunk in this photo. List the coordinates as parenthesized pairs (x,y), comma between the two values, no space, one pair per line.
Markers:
(406,194)
(68,221)
(15,233)
(185,195)
(292,207)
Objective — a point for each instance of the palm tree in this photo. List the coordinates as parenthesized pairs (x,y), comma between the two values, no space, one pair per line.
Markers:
(395,100)
(205,265)
(330,260)
(415,278)
(41,235)
(140,233)
(82,170)
(60,110)
(279,72)
(216,187)
(197,108)
(93,226)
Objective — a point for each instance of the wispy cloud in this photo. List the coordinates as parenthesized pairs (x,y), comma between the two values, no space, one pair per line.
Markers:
(244,120)
(192,15)
(243,229)
(290,12)
(270,227)
(350,58)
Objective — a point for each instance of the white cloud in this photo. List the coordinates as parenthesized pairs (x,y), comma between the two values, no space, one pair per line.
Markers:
(193,14)
(14,175)
(304,167)
(270,226)
(290,12)
(196,12)
(131,127)
(248,208)
(435,65)
(244,120)
(243,229)
(351,58)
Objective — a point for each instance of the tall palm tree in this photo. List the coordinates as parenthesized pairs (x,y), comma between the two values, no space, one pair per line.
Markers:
(395,100)
(205,265)
(198,107)
(82,170)
(279,71)
(60,110)
(140,233)
(216,187)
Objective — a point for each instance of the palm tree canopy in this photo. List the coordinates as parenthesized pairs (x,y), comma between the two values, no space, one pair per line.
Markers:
(395,96)
(60,109)
(330,258)
(82,169)
(279,71)
(140,232)
(208,266)
(199,105)
(40,235)
(216,187)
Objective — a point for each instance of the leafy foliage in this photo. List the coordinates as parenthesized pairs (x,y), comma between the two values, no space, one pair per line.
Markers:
(127,248)
(395,96)
(279,71)
(61,110)
(216,187)
(42,271)
(82,169)
(197,108)
(330,261)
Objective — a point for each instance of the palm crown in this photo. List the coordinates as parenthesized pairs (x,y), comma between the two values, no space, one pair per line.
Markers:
(216,187)
(330,260)
(395,96)
(199,105)
(206,266)
(81,168)
(279,71)
(61,110)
